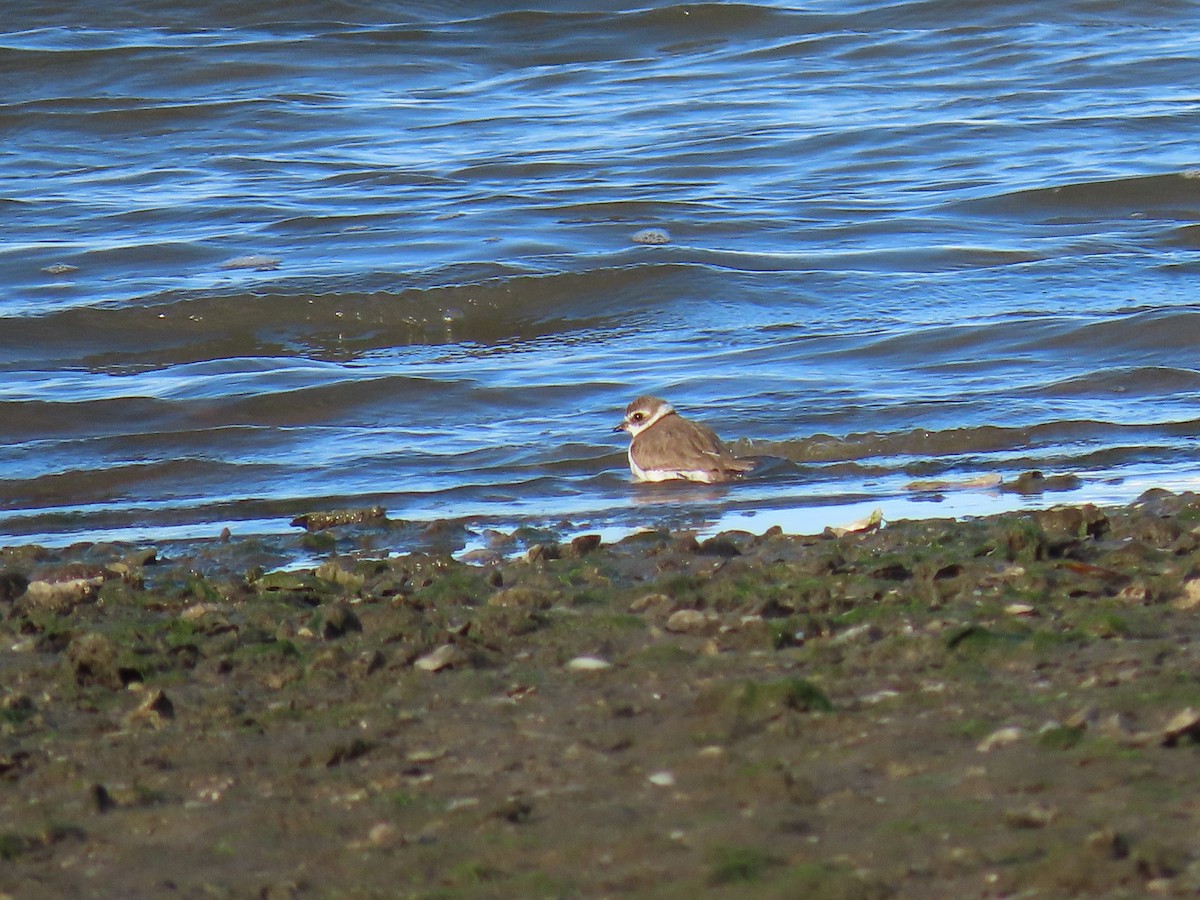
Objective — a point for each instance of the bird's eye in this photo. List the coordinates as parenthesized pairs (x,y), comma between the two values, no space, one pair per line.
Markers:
(637,417)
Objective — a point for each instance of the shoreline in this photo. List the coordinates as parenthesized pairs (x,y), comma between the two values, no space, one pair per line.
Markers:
(936,707)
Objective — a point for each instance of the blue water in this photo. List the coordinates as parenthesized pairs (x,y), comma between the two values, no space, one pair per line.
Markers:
(258,261)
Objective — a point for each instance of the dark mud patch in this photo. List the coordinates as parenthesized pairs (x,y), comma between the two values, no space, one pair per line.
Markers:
(996,707)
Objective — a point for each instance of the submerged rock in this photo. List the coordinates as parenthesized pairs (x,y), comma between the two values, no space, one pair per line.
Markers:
(319,521)
(651,236)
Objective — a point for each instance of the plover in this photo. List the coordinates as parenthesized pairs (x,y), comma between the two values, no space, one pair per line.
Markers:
(665,446)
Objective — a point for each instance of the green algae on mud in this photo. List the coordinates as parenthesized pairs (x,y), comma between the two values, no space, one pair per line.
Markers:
(986,707)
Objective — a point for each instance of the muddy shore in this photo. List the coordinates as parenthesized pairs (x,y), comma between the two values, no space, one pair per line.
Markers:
(998,707)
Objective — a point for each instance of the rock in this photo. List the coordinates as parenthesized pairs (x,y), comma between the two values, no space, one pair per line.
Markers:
(1035,482)
(16,708)
(867,633)
(498,540)
(60,597)
(319,521)
(661,779)
(102,798)
(588,664)
(257,261)
(282,580)
(870,523)
(370,661)
(521,598)
(336,620)
(1072,522)
(484,556)
(1189,597)
(198,611)
(649,601)
(384,834)
(146,556)
(444,657)
(689,621)
(424,757)
(1136,593)
(938,485)
(584,544)
(719,545)
(1184,725)
(348,752)
(1002,737)
(1107,844)
(93,659)
(800,788)
(155,710)
(352,582)
(516,810)
(1083,719)
(652,236)
(1036,815)
(12,586)
(543,552)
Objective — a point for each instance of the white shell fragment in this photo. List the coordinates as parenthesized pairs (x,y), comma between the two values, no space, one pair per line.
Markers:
(588,664)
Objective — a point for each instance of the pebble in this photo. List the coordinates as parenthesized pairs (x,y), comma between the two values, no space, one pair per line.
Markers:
(1020,609)
(1001,738)
(155,710)
(867,632)
(383,834)
(1036,815)
(1190,598)
(643,603)
(1184,724)
(661,779)
(588,664)
(687,620)
(444,657)
(198,611)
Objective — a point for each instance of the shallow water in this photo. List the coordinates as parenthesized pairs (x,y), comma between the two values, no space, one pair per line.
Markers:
(261,261)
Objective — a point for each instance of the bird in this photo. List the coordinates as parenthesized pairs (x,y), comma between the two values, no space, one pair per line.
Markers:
(664,446)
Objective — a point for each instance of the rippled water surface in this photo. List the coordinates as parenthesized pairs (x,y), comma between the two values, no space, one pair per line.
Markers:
(287,256)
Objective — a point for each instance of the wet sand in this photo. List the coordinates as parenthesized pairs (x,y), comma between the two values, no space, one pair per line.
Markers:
(986,708)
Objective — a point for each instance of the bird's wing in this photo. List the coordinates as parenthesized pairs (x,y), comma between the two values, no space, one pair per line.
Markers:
(694,449)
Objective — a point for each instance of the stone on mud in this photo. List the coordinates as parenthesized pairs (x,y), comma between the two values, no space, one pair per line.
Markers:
(93,661)
(444,657)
